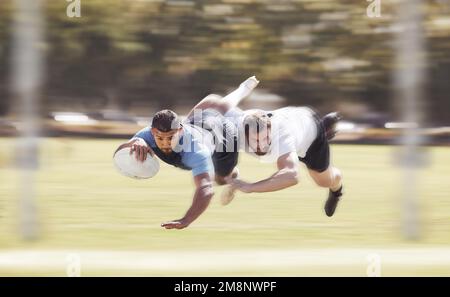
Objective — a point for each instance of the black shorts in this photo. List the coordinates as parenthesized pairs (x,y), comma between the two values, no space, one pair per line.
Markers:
(317,157)
(226,153)
(224,162)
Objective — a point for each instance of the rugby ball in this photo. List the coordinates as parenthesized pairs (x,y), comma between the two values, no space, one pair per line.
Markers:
(127,164)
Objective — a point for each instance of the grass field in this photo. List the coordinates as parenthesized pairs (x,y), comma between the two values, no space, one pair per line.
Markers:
(113,223)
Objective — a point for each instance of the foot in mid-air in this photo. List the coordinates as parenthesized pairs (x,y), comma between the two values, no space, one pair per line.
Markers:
(228,192)
(332,201)
(227,195)
(329,122)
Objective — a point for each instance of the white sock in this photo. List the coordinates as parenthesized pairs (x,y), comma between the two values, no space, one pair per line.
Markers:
(243,91)
(337,172)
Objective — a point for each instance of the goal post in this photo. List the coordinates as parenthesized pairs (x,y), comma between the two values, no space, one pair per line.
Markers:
(27,78)
(409,77)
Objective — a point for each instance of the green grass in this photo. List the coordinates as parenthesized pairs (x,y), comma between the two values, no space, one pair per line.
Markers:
(83,203)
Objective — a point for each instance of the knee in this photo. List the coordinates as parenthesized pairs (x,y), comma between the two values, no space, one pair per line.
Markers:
(324,183)
(333,178)
(325,180)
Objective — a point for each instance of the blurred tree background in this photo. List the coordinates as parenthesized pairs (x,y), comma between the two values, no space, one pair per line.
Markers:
(144,55)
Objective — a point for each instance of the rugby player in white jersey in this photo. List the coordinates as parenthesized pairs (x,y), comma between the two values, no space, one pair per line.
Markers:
(286,136)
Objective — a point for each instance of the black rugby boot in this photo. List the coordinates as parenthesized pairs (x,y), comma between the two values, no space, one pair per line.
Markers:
(332,201)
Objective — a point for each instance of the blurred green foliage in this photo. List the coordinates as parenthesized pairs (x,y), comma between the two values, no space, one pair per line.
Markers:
(159,53)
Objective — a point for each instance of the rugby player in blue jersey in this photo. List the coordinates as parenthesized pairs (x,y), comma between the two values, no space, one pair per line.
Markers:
(205,143)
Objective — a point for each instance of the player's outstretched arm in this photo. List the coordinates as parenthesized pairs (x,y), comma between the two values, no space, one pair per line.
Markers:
(230,101)
(286,176)
(202,197)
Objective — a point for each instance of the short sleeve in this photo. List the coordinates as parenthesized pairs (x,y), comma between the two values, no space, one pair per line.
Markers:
(282,143)
(286,145)
(199,161)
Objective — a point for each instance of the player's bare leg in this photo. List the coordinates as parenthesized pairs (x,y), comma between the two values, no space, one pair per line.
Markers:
(228,191)
(331,179)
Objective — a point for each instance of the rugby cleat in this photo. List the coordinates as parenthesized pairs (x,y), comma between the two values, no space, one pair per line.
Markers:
(332,201)
(329,122)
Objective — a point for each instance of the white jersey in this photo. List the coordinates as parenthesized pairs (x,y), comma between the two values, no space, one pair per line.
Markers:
(293,129)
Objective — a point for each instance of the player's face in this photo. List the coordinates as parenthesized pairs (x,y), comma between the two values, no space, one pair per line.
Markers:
(259,143)
(166,141)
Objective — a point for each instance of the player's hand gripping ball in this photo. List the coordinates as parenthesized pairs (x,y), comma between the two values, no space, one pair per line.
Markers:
(136,161)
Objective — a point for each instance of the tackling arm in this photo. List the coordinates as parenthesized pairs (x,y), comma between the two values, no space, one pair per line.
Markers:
(286,176)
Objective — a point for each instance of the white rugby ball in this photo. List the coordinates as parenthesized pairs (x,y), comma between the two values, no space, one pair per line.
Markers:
(127,164)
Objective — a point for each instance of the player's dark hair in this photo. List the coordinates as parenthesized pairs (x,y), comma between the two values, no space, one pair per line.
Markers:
(256,122)
(166,120)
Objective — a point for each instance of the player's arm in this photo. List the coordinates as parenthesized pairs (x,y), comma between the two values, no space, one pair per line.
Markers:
(230,101)
(202,197)
(286,176)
